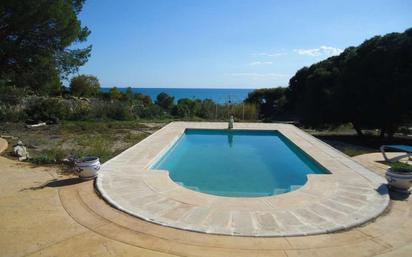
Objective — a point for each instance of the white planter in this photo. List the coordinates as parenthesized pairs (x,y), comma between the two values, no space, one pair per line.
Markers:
(87,167)
(400,181)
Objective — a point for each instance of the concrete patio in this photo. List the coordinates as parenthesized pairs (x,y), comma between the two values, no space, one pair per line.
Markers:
(46,214)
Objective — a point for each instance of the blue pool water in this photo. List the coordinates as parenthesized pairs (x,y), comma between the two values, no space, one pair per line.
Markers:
(237,163)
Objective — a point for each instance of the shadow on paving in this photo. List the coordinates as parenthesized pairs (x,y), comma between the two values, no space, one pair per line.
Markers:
(398,196)
(57,183)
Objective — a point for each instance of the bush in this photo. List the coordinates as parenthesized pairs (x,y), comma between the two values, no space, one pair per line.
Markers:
(11,95)
(115,110)
(207,109)
(245,111)
(11,113)
(99,146)
(84,85)
(401,167)
(152,111)
(51,156)
(119,111)
(270,102)
(79,110)
(165,101)
(44,109)
(115,94)
(187,108)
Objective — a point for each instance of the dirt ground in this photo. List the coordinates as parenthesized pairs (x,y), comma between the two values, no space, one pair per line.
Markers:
(49,143)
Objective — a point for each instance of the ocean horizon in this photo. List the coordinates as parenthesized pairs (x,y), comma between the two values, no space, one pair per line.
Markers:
(218,95)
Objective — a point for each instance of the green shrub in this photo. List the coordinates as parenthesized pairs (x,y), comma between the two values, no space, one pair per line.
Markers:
(119,111)
(245,111)
(165,101)
(115,94)
(43,109)
(115,110)
(99,146)
(84,85)
(401,167)
(10,94)
(152,111)
(80,110)
(50,156)
(11,113)
(404,130)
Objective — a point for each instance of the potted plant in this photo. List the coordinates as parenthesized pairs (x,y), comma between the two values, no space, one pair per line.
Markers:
(87,167)
(399,176)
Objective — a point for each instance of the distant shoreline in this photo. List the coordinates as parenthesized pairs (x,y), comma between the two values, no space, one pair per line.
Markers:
(194,88)
(218,95)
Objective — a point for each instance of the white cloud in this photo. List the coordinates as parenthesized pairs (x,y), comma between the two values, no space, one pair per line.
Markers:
(260,63)
(322,50)
(270,54)
(259,76)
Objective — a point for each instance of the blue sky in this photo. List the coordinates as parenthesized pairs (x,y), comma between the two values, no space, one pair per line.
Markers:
(226,43)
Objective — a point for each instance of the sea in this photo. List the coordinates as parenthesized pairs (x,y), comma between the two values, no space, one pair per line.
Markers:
(221,95)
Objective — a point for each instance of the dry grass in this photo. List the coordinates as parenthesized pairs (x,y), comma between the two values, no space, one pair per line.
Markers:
(105,139)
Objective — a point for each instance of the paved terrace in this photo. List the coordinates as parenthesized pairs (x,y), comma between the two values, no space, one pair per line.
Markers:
(351,195)
(44,213)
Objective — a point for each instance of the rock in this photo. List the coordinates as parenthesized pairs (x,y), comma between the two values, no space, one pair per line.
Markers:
(20,151)
(36,125)
(85,99)
(69,159)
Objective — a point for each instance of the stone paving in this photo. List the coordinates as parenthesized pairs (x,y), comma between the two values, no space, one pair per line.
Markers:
(46,214)
(351,195)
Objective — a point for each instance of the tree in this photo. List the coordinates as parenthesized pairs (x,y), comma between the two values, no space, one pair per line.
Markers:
(270,102)
(35,40)
(129,94)
(114,94)
(208,109)
(187,108)
(165,101)
(369,85)
(84,85)
(144,99)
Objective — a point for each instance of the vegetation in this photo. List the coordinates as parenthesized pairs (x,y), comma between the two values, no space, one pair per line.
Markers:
(165,101)
(84,85)
(271,103)
(36,40)
(114,105)
(52,144)
(114,94)
(401,167)
(369,86)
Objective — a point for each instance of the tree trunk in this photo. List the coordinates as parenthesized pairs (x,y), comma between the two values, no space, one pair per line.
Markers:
(390,133)
(358,129)
(382,134)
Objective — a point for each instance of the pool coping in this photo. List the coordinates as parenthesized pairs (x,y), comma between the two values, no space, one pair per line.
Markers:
(351,195)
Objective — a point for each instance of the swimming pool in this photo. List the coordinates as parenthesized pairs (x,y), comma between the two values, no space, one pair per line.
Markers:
(237,163)
(348,196)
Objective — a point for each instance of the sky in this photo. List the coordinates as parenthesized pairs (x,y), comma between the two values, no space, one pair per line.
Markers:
(226,43)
